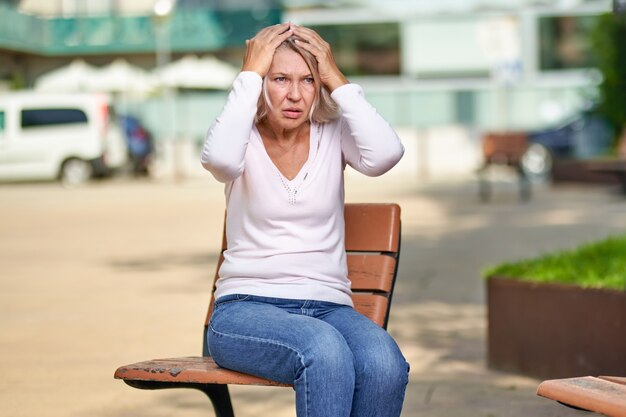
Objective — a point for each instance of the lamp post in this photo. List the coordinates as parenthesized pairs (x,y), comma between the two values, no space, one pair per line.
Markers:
(162,11)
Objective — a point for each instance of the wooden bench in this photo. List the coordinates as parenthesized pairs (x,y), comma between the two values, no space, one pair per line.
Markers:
(506,149)
(604,394)
(373,247)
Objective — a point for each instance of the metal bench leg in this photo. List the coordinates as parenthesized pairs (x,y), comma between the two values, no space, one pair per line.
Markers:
(220,398)
(484,187)
(525,190)
(217,393)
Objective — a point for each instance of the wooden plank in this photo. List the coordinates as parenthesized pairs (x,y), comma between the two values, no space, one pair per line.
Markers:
(192,369)
(372,227)
(616,379)
(588,393)
(504,147)
(374,306)
(371,272)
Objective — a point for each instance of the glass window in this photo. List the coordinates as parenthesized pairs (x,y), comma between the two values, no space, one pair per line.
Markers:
(56,116)
(364,49)
(565,42)
(1,121)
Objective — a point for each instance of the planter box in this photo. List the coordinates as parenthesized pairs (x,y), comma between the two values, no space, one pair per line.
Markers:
(577,171)
(555,331)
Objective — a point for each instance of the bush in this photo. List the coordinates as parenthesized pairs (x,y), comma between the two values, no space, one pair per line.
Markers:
(596,265)
(609,48)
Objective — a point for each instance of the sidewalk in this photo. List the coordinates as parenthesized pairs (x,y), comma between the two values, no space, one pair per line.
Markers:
(119,271)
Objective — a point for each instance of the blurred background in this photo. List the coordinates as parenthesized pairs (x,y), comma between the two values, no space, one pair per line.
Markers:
(443,73)
(110,229)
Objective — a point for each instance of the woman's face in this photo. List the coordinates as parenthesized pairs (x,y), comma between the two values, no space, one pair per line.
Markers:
(290,89)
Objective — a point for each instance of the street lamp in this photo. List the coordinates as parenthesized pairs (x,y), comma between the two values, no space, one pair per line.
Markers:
(162,10)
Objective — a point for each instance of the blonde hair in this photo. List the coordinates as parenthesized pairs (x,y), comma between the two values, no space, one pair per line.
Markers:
(323,109)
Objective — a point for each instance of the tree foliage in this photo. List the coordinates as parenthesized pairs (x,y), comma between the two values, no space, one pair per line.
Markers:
(609,47)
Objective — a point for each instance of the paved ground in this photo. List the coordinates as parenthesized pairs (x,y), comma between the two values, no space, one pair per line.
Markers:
(119,271)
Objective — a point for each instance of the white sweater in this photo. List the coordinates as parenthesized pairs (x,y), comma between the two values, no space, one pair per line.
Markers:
(286,238)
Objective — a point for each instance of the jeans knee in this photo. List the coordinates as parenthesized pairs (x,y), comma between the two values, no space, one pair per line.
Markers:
(396,373)
(386,370)
(330,357)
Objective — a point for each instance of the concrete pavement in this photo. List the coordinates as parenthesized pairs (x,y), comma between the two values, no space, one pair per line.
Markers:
(119,271)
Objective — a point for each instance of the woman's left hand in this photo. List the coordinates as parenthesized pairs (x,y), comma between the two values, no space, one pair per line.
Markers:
(330,74)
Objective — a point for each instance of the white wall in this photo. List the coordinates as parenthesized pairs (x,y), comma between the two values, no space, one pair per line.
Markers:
(444,46)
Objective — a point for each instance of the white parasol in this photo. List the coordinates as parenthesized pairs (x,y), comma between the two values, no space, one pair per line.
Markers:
(75,76)
(193,72)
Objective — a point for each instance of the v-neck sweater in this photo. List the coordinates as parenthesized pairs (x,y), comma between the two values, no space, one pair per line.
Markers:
(286,238)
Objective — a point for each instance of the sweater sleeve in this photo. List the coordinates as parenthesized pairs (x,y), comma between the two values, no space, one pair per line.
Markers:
(369,144)
(227,139)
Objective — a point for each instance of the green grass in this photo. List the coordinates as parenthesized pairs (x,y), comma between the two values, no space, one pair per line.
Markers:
(596,265)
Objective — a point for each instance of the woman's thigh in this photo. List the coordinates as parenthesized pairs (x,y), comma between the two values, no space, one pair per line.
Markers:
(273,342)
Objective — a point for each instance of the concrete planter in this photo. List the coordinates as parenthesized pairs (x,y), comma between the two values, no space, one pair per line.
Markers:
(555,331)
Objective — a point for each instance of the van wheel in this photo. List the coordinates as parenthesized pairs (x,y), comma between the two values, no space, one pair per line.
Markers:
(75,172)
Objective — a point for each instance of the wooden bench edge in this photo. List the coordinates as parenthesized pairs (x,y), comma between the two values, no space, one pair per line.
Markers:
(587,393)
(189,370)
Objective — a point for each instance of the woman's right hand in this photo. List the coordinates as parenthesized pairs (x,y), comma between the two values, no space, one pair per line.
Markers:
(260,49)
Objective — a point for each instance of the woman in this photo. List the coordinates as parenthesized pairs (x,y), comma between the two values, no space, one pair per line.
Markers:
(283,306)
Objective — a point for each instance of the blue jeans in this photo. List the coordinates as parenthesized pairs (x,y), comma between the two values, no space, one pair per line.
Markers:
(340,363)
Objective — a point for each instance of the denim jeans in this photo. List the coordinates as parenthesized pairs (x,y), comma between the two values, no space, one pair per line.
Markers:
(340,363)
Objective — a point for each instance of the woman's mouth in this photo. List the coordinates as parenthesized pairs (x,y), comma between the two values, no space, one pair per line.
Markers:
(292,113)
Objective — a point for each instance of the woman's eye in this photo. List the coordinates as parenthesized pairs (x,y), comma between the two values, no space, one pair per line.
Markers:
(309,80)
(279,79)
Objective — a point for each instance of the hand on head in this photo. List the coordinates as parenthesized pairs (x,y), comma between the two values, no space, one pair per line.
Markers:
(260,52)
(309,40)
(260,49)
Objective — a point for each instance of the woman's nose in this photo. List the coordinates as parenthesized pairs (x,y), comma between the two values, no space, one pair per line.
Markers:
(294,92)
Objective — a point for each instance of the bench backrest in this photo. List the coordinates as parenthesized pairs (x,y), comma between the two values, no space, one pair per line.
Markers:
(504,148)
(373,248)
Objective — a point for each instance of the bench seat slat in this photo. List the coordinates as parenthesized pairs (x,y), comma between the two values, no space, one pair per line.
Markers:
(588,393)
(616,379)
(191,369)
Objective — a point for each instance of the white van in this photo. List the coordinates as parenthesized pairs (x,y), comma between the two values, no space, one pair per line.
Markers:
(70,137)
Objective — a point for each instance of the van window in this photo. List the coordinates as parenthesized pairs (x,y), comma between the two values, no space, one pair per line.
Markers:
(1,121)
(56,116)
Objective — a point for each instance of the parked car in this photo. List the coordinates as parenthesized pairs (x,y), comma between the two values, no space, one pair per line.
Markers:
(69,137)
(584,136)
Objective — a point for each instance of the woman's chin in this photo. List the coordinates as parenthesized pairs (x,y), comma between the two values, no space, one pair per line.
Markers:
(291,123)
